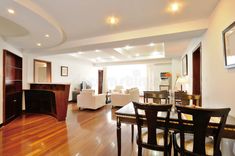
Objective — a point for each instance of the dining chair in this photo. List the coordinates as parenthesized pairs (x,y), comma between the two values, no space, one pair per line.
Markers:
(184,99)
(161,97)
(153,131)
(194,138)
(178,96)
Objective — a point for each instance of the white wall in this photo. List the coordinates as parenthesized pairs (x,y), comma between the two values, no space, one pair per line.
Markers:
(191,48)
(4,45)
(78,70)
(218,83)
(153,74)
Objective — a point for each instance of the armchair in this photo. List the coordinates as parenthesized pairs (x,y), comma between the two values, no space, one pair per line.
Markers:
(118,89)
(88,99)
(121,99)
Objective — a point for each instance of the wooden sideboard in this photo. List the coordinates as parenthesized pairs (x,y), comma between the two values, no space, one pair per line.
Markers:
(56,95)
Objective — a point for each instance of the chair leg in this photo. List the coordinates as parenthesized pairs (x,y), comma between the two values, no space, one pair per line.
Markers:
(175,152)
(139,151)
(169,152)
(132,133)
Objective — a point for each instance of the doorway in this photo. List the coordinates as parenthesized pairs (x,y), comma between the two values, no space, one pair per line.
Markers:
(100,81)
(197,71)
(42,71)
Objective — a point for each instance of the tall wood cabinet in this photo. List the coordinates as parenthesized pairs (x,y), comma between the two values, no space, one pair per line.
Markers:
(12,86)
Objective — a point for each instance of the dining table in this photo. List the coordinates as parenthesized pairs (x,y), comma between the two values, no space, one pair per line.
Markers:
(126,115)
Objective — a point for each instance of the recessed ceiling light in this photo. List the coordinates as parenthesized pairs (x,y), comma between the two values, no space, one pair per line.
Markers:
(112,20)
(151,44)
(156,53)
(93,60)
(97,50)
(39,44)
(174,7)
(127,47)
(73,54)
(80,52)
(231,31)
(11,11)
(47,35)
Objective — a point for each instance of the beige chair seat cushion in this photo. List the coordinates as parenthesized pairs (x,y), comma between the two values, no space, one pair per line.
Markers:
(159,137)
(189,143)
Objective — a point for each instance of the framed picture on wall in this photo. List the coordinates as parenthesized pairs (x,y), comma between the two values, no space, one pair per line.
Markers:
(64,71)
(185,65)
(229,46)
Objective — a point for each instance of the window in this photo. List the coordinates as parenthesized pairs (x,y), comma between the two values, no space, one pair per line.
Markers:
(128,76)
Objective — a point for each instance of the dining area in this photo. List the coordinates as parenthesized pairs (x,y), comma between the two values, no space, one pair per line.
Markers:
(176,123)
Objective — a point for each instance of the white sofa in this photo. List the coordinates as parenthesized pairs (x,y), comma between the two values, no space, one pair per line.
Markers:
(118,89)
(121,99)
(88,100)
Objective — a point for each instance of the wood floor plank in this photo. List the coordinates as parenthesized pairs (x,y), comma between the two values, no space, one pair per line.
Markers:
(84,133)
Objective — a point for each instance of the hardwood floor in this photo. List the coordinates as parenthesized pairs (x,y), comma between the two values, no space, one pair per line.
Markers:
(85,133)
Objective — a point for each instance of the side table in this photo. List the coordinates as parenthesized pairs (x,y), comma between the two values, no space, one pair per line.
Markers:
(74,95)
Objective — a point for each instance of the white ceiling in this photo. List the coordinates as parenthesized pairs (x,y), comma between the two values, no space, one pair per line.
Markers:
(79,25)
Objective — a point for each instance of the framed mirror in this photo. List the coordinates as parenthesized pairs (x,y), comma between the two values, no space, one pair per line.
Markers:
(229,46)
(42,71)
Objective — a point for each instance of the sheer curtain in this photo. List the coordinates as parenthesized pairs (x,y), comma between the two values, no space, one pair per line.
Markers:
(128,76)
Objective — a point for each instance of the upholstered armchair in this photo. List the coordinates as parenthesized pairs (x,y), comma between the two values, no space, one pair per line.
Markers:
(118,89)
(121,99)
(88,100)
(134,94)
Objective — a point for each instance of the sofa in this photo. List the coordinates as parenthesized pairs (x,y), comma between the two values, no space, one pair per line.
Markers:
(121,99)
(118,89)
(88,100)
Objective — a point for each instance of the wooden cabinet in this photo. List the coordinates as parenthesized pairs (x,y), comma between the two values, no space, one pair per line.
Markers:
(48,99)
(12,86)
(40,101)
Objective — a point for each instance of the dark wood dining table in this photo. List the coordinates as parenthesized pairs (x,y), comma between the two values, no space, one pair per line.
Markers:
(126,115)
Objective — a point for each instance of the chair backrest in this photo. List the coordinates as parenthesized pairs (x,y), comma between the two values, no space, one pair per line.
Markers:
(161,95)
(134,94)
(198,126)
(183,98)
(153,121)
(179,95)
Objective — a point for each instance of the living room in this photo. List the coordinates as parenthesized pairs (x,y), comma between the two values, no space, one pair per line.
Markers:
(84,52)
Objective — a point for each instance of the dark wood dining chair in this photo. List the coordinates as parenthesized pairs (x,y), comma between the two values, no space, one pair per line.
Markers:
(161,97)
(178,96)
(192,138)
(184,99)
(157,137)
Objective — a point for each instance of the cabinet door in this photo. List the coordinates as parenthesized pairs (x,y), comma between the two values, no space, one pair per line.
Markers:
(18,103)
(10,109)
(13,106)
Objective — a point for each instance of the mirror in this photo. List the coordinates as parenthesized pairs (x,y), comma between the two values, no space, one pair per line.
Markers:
(42,71)
(229,46)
